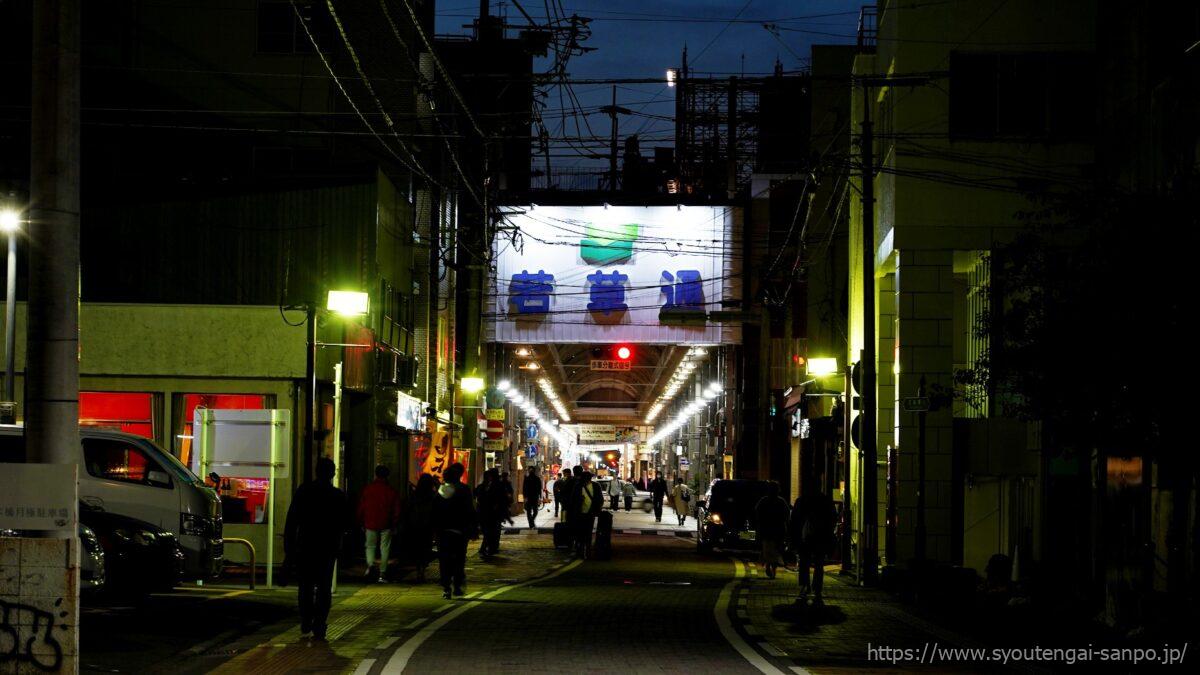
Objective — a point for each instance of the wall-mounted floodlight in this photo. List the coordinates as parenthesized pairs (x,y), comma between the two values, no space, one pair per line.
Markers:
(821,366)
(471,385)
(348,303)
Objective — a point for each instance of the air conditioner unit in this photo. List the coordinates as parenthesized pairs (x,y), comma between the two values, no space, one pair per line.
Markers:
(407,368)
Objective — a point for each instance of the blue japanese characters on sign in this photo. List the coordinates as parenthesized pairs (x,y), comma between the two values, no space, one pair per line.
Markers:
(607,292)
(530,293)
(683,290)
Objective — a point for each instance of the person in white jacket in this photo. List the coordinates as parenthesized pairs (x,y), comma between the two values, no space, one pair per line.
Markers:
(614,492)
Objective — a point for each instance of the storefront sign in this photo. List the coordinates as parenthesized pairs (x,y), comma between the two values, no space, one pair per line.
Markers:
(608,273)
(410,412)
(597,432)
(438,455)
(38,497)
(611,364)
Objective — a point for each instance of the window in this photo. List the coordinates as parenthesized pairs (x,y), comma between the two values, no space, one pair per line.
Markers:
(280,30)
(1043,96)
(131,412)
(119,460)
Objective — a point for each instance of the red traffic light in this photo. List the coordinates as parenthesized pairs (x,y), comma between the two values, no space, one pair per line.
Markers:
(624,352)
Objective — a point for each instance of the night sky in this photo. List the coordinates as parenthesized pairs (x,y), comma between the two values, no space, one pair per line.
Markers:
(635,38)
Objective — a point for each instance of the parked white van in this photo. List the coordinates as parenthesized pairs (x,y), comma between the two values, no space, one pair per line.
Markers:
(131,476)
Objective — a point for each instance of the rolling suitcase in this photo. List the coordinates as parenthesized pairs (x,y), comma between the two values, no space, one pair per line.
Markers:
(602,549)
(562,536)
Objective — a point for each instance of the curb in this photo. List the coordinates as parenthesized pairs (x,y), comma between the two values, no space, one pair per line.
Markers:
(682,534)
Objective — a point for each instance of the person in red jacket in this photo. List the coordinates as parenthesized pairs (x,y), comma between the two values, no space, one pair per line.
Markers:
(378,513)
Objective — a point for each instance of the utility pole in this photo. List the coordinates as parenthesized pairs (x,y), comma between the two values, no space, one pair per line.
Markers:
(731,138)
(612,111)
(869,549)
(310,450)
(612,144)
(52,330)
(919,548)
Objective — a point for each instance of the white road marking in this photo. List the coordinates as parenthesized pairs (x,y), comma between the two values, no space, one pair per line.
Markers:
(399,660)
(364,667)
(392,640)
(772,649)
(721,612)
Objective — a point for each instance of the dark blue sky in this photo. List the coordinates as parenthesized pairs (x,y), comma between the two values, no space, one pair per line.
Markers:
(642,38)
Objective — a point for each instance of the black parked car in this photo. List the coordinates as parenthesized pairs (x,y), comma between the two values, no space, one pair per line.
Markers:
(725,516)
(138,556)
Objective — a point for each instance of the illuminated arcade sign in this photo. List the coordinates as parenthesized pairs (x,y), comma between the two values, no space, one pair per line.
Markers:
(613,274)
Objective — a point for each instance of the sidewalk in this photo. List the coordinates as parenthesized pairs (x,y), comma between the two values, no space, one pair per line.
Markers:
(837,635)
(365,618)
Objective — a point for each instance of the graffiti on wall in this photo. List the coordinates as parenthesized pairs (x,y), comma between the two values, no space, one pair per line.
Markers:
(28,634)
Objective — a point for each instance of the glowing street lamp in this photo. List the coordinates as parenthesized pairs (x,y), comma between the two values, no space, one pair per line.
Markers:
(348,303)
(10,224)
(471,385)
(821,367)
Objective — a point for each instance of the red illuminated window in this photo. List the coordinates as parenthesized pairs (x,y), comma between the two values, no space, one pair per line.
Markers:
(131,412)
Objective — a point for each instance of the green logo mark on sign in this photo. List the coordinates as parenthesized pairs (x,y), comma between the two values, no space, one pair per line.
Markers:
(608,245)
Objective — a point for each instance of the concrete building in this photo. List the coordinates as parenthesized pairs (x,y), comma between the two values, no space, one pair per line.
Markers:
(986,105)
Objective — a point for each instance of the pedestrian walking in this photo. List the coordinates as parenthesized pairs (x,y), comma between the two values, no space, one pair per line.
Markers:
(658,492)
(509,497)
(491,505)
(312,536)
(562,488)
(379,514)
(614,492)
(811,532)
(587,504)
(629,490)
(681,499)
(454,521)
(418,524)
(572,497)
(532,491)
(771,527)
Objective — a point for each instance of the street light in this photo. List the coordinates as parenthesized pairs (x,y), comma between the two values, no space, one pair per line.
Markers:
(471,385)
(820,367)
(348,303)
(10,224)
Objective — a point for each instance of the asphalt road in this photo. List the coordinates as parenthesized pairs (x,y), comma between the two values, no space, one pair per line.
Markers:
(650,609)
(657,606)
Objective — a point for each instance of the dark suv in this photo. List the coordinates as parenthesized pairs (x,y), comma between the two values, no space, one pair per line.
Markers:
(725,517)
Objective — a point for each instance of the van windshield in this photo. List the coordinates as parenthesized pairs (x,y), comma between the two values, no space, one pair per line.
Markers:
(174,465)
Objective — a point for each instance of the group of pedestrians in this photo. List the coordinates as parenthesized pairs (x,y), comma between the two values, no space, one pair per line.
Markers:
(578,500)
(807,526)
(680,494)
(446,512)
